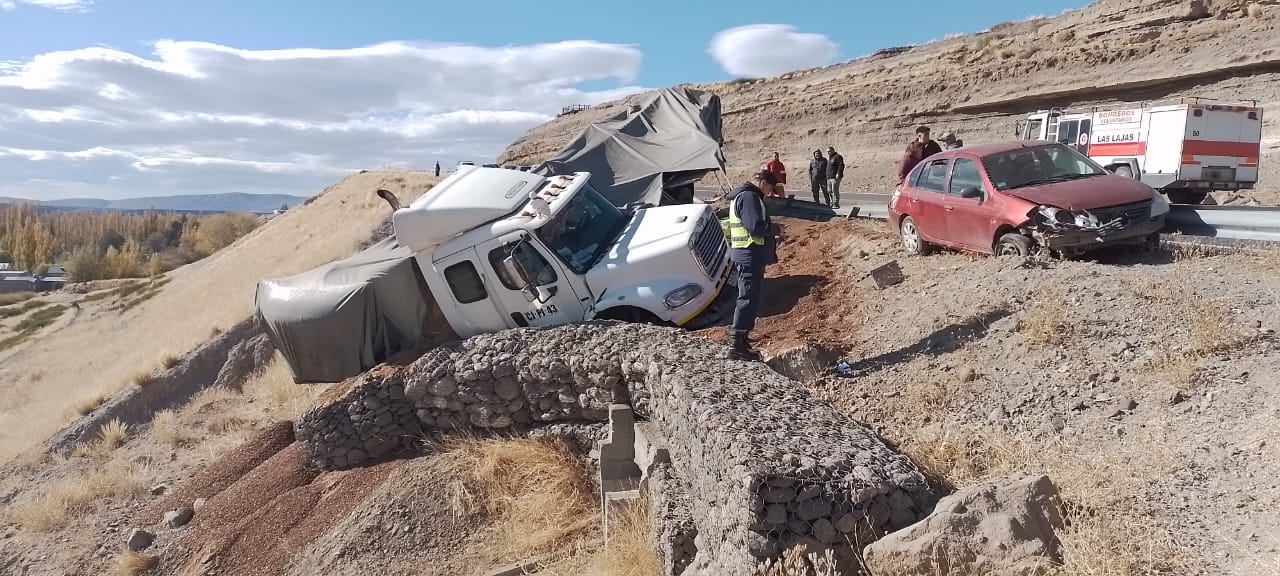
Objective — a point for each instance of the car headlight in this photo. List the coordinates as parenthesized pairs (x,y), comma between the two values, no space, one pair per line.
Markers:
(681,296)
(1159,205)
(1057,215)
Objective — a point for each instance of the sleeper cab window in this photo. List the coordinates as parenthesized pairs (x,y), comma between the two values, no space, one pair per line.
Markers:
(465,282)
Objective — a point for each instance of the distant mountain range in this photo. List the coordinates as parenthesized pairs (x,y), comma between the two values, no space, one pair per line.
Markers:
(228,202)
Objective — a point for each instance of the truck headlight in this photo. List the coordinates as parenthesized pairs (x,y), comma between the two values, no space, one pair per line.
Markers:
(681,296)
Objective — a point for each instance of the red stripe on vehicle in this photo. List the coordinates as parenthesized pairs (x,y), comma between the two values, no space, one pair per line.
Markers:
(1248,164)
(1118,149)
(1221,148)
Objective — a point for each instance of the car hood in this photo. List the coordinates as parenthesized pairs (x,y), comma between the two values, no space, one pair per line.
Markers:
(1087,193)
(655,241)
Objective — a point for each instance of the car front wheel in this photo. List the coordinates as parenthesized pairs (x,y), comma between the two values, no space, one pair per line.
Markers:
(911,240)
(1013,245)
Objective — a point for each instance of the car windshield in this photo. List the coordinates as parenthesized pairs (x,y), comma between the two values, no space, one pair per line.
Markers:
(1040,165)
(581,233)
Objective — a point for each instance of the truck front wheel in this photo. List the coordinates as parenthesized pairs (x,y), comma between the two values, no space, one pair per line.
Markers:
(632,314)
(1186,196)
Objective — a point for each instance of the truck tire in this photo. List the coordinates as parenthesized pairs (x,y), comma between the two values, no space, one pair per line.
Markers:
(1185,196)
(1014,244)
(631,314)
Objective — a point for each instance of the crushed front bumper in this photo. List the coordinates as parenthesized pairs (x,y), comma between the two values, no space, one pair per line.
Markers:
(1079,239)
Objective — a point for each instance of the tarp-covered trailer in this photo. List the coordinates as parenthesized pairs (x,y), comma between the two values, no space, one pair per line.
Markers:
(651,154)
(345,317)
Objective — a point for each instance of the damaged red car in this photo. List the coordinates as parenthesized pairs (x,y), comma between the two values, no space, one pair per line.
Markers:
(1017,198)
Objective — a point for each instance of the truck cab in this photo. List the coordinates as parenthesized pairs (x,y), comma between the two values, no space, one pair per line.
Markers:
(505,248)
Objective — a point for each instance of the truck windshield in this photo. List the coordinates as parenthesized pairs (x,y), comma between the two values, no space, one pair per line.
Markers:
(583,230)
(1039,165)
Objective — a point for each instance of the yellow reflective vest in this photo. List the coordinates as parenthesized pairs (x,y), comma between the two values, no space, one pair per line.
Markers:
(739,237)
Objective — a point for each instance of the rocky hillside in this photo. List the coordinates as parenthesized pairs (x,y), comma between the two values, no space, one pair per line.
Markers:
(1113,50)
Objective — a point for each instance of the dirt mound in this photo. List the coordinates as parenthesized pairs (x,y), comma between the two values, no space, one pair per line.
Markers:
(806,298)
(218,476)
(976,85)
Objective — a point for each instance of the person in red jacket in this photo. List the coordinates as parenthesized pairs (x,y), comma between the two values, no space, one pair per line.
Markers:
(779,172)
(912,156)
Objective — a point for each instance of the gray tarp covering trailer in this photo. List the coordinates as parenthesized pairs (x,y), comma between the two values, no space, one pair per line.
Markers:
(345,317)
(670,142)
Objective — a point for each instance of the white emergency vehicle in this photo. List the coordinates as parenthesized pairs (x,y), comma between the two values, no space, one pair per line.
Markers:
(1184,149)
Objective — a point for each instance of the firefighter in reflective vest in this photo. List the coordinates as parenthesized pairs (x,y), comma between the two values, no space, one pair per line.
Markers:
(752,246)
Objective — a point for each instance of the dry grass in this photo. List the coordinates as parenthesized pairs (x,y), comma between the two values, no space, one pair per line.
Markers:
(112,434)
(133,564)
(797,561)
(217,291)
(169,430)
(1046,325)
(89,403)
(1111,532)
(1255,10)
(15,297)
(275,386)
(536,491)
(631,550)
(56,506)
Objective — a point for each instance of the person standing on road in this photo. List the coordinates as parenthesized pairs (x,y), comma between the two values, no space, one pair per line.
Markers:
(752,246)
(779,172)
(835,174)
(818,177)
(930,147)
(437,168)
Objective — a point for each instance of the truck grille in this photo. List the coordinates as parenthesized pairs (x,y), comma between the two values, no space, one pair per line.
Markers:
(710,245)
(1132,213)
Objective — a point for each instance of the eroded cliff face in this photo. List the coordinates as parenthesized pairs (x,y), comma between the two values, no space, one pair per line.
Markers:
(1114,50)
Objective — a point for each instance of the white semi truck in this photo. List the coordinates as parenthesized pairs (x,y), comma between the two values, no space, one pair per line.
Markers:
(1184,149)
(503,248)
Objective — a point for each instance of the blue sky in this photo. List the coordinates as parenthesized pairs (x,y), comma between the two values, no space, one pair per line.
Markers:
(66,147)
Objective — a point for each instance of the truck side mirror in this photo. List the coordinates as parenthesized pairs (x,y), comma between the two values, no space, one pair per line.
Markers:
(539,294)
(514,269)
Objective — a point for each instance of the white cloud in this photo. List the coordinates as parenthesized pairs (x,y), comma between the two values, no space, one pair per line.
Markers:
(195,117)
(760,50)
(59,5)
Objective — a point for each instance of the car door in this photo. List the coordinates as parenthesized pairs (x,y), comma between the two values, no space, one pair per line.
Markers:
(561,307)
(970,222)
(926,195)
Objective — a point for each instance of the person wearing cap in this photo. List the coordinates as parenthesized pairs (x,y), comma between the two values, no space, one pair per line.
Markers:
(752,247)
(950,142)
(818,177)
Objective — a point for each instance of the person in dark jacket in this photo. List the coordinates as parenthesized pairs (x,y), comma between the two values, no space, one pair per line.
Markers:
(835,174)
(437,168)
(818,176)
(930,147)
(910,158)
(752,246)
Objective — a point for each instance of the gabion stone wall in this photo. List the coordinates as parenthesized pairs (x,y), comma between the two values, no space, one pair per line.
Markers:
(769,465)
(366,422)
(766,464)
(671,518)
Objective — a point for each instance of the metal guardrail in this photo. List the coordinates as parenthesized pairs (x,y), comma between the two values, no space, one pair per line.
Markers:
(1230,222)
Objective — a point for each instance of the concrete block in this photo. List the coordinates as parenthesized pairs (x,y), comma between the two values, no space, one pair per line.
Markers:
(650,449)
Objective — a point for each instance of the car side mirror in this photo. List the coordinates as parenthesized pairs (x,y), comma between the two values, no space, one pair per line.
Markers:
(971,192)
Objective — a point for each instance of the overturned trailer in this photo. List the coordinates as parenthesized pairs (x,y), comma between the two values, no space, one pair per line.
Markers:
(653,153)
